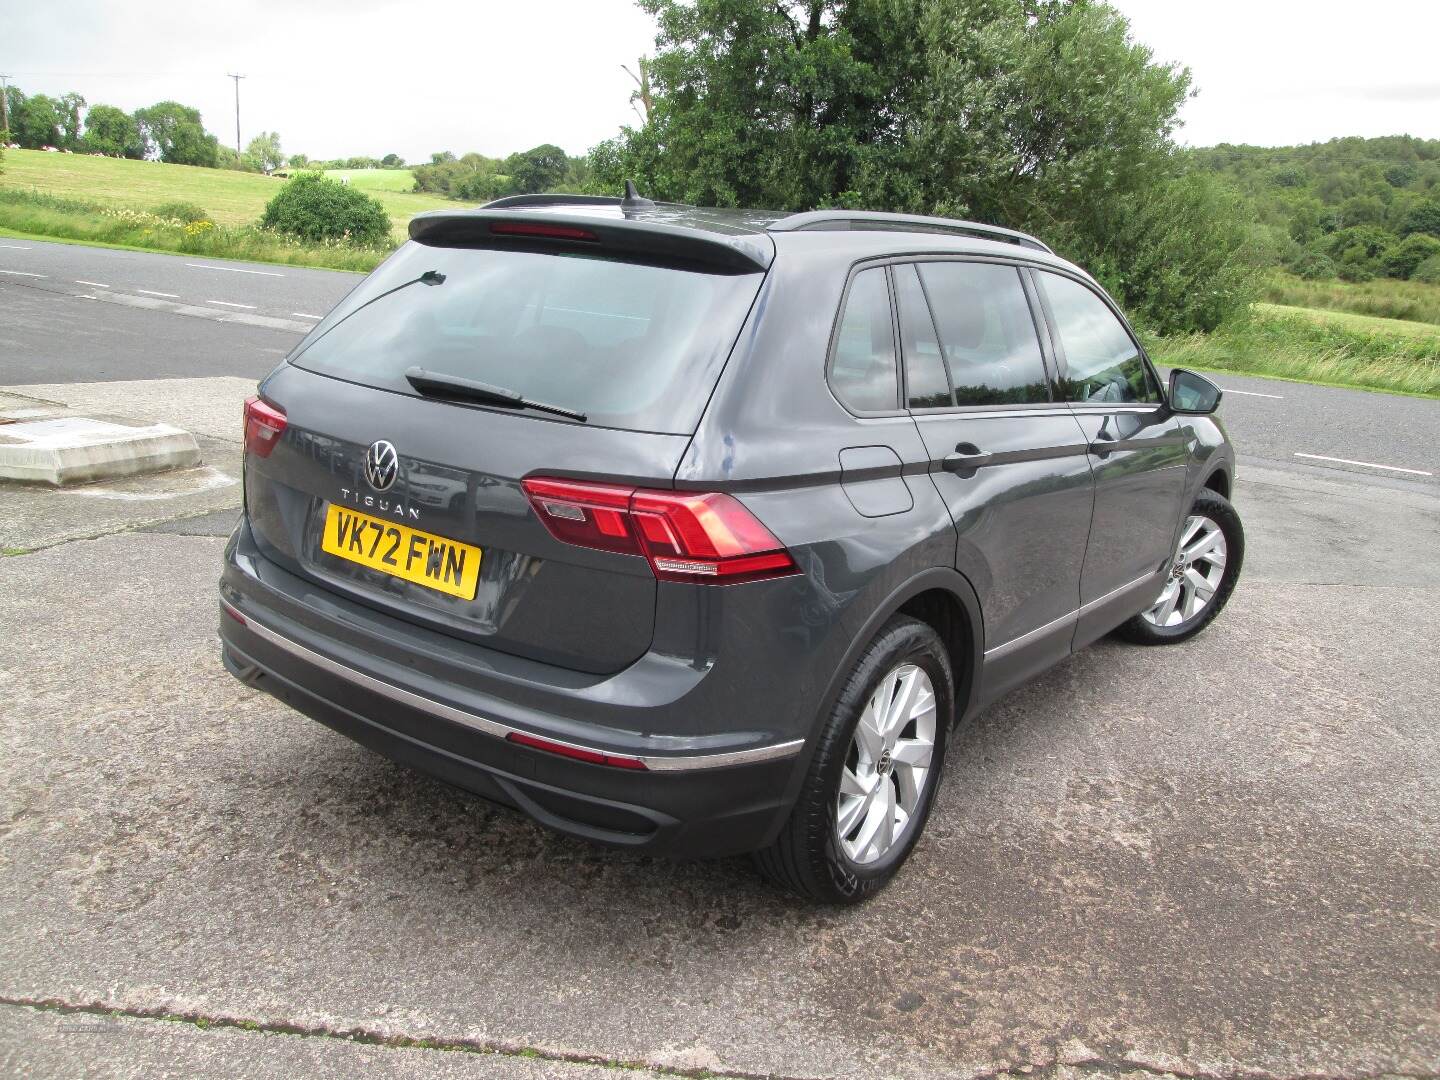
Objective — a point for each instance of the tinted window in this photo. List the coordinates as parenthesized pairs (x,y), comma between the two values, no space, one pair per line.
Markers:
(987,333)
(862,370)
(1104,363)
(632,346)
(926,384)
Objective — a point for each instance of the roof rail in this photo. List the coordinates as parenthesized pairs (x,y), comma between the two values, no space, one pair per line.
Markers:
(858,220)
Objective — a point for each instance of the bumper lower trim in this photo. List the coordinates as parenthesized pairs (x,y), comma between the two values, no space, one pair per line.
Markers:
(655,763)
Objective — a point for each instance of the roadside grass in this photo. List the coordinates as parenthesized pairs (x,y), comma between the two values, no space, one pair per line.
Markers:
(1386,299)
(232,198)
(43,216)
(1289,343)
(1348,320)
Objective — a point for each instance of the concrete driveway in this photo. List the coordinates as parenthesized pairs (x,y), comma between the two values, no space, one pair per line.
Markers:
(1220,859)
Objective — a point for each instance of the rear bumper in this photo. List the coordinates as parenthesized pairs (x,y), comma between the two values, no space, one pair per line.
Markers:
(718,801)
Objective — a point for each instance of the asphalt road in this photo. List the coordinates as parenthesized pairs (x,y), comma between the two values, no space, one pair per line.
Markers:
(61,325)
(1219,860)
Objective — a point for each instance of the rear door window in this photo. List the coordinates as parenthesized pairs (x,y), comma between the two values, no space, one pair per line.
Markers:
(862,366)
(1104,363)
(630,345)
(987,333)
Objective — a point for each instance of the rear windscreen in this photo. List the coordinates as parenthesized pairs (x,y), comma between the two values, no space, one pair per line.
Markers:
(630,345)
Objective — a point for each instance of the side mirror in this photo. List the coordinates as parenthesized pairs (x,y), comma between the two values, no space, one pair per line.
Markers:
(1192,394)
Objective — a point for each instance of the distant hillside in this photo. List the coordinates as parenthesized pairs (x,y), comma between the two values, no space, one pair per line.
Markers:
(1353,208)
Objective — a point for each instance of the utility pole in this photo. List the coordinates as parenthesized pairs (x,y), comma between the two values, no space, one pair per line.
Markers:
(237,79)
(4,106)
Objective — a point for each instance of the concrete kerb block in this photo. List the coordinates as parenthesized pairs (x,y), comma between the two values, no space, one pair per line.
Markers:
(80,449)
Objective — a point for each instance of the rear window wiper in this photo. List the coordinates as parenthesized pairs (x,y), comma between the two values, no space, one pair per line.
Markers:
(439,384)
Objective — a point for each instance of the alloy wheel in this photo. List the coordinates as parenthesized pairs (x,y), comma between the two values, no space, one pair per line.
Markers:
(888,765)
(1195,575)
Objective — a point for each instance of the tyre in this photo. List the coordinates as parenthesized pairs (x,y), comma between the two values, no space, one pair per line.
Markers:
(1202,577)
(873,776)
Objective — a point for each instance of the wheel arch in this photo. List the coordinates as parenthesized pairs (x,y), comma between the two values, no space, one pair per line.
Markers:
(1219,482)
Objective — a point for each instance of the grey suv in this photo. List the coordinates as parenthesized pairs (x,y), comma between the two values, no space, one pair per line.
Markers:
(697,531)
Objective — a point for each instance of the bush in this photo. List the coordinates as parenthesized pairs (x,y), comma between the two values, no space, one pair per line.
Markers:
(181,211)
(1428,272)
(316,208)
(1312,266)
(1402,260)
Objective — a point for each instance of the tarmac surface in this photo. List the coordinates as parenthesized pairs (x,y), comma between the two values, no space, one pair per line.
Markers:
(1216,860)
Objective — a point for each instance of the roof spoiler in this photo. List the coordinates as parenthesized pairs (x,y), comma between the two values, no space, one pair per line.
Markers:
(643,240)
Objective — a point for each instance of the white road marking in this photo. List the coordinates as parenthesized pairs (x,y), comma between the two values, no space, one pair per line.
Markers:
(96,284)
(20,273)
(235,270)
(302,315)
(86,296)
(1365,464)
(1251,393)
(227,303)
(167,295)
(14,247)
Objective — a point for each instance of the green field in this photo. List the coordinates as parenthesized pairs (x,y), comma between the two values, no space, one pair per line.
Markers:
(232,198)
(377,180)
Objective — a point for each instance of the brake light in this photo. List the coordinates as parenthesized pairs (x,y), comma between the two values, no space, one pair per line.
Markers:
(698,537)
(549,232)
(579,753)
(264,424)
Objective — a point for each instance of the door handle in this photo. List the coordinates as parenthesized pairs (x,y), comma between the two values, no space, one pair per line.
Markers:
(1102,444)
(965,460)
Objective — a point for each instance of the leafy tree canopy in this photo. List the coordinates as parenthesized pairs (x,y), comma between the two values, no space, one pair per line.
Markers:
(112,131)
(1042,115)
(263,153)
(175,133)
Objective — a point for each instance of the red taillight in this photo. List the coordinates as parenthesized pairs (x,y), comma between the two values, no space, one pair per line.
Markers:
(579,753)
(264,424)
(549,232)
(695,537)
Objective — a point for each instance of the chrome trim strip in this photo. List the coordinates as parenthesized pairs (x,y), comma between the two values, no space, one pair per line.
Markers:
(1100,601)
(1031,635)
(660,763)
(1086,608)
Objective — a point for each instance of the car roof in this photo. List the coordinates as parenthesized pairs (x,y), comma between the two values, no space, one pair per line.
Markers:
(748,239)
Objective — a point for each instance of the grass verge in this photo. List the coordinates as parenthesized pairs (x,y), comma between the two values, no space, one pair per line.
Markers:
(1288,343)
(47,216)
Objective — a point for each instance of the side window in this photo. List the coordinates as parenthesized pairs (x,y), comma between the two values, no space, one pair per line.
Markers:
(987,333)
(862,369)
(1104,363)
(926,384)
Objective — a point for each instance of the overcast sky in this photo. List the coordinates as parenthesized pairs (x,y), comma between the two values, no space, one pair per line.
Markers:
(343,77)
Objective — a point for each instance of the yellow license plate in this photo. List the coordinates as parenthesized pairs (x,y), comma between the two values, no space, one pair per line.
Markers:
(400,551)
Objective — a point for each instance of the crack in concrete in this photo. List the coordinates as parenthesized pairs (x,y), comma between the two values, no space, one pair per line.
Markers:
(1057,1063)
(366,1036)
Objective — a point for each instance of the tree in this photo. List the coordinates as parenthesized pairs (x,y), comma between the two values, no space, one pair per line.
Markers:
(68,109)
(112,131)
(174,133)
(34,121)
(537,169)
(392,161)
(298,161)
(1040,115)
(263,152)
(1424,217)
(1402,260)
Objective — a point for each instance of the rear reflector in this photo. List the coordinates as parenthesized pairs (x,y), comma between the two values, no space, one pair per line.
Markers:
(579,753)
(264,424)
(549,232)
(698,537)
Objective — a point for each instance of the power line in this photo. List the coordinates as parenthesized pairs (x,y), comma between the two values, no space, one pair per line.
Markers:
(237,79)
